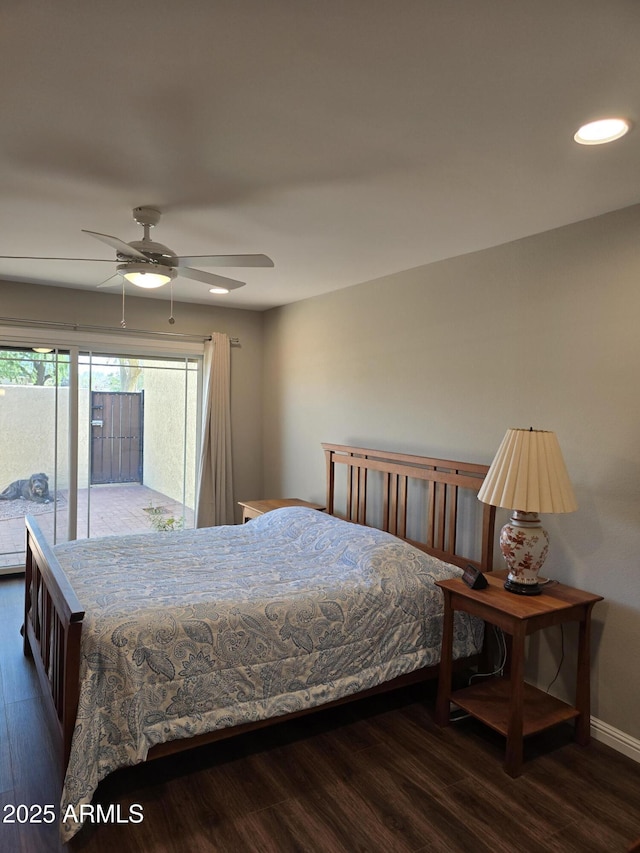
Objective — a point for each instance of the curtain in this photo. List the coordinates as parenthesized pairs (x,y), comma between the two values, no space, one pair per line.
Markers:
(214,504)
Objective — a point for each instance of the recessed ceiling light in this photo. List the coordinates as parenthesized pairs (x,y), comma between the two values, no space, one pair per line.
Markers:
(604,130)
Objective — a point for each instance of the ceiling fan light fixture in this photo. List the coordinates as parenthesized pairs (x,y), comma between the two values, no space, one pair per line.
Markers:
(602,131)
(147,276)
(148,280)
(218,289)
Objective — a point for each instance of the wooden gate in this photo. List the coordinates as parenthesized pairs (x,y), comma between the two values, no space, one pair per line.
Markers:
(116,436)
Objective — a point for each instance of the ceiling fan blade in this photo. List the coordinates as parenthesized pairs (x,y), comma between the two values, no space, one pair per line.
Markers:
(40,258)
(119,245)
(224,261)
(211,279)
(110,281)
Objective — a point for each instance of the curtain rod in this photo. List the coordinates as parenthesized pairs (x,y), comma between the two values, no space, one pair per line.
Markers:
(77,327)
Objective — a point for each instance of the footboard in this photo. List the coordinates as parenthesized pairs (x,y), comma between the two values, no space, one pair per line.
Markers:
(52,627)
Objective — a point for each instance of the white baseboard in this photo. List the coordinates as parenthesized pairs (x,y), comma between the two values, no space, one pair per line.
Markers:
(621,742)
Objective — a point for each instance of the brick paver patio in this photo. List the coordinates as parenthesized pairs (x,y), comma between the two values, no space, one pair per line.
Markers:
(114,509)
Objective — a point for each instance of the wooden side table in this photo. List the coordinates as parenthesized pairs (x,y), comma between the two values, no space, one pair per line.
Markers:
(252,509)
(508,704)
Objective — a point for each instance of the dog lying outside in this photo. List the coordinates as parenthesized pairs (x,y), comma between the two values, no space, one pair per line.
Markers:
(36,488)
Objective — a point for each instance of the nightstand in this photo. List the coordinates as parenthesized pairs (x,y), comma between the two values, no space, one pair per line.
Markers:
(252,509)
(508,704)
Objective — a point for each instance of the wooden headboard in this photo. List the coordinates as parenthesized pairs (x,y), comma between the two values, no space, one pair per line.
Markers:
(439,513)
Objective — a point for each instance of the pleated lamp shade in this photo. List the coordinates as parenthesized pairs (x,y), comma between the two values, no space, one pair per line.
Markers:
(529,474)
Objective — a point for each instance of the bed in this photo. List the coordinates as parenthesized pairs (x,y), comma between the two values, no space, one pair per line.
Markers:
(290,612)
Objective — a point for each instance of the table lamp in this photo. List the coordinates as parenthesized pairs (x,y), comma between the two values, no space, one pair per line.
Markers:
(527,476)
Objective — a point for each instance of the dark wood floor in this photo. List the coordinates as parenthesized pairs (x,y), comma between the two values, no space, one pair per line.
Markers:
(377,775)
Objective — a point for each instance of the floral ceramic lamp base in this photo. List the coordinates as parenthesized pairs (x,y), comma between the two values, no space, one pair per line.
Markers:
(524,544)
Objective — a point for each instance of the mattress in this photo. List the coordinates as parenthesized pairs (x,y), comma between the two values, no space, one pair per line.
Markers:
(190,631)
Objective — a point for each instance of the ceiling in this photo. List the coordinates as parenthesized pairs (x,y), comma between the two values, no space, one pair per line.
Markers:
(346,140)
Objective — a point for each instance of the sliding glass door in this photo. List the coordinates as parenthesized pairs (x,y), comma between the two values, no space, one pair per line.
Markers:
(137,439)
(113,435)
(34,450)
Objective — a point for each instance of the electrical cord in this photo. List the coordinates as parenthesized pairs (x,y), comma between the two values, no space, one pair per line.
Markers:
(499,670)
(561,658)
(502,645)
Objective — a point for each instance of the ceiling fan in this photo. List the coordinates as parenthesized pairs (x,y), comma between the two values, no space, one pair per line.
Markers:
(148,264)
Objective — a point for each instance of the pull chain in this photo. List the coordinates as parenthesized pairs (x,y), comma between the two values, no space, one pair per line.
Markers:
(171,317)
(123,322)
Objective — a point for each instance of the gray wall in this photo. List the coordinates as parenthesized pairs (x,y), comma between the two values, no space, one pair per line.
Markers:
(442,359)
(38,302)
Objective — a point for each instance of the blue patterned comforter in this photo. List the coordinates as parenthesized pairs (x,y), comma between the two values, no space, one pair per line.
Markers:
(191,631)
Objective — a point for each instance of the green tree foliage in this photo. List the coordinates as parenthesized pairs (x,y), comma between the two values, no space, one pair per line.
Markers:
(130,374)
(18,367)
(25,367)
(113,374)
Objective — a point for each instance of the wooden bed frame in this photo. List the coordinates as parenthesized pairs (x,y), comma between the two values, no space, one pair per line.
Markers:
(53,615)
(442,479)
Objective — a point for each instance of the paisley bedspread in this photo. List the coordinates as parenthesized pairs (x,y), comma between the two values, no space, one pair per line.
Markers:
(190,631)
